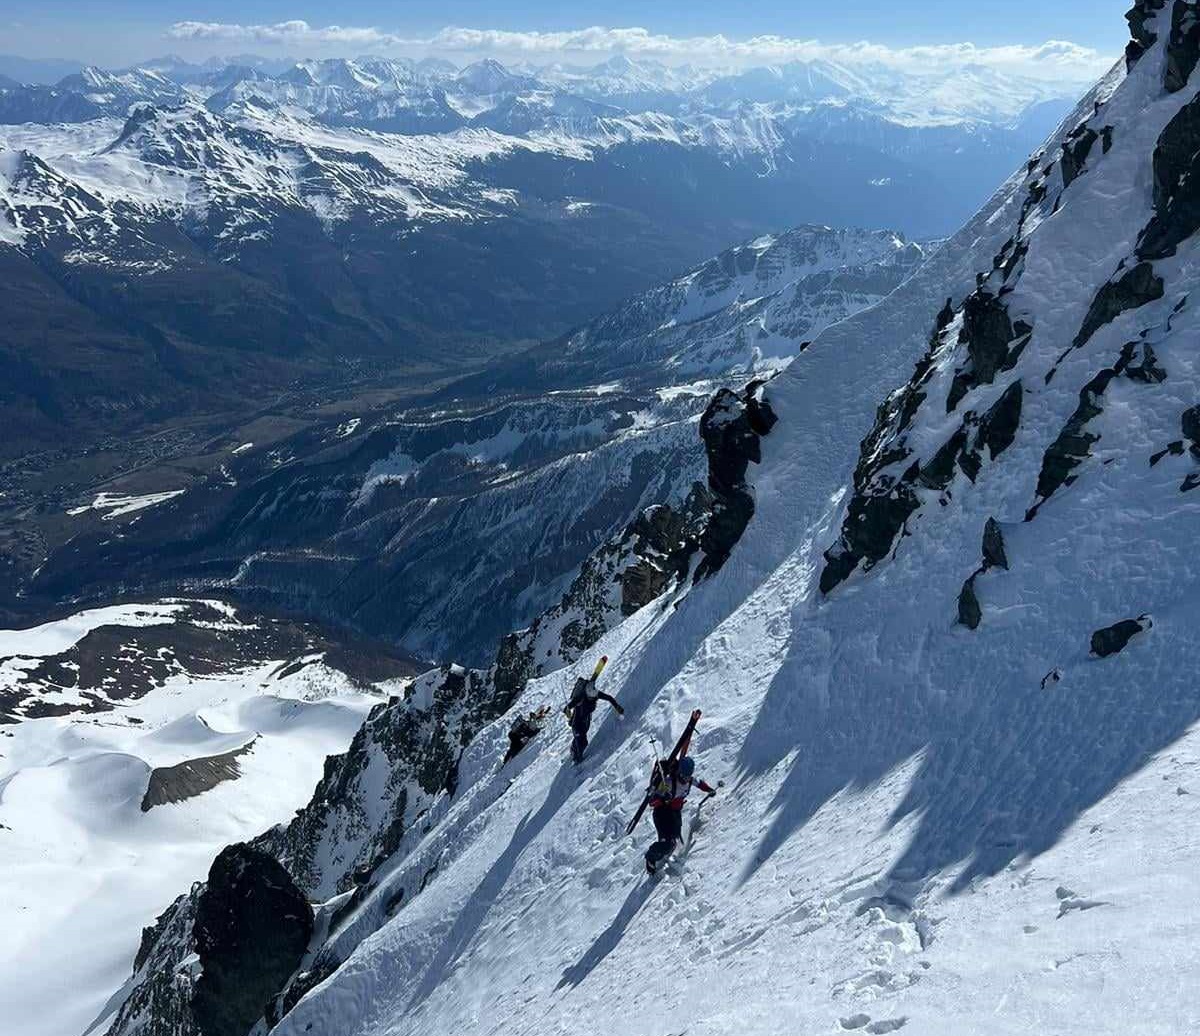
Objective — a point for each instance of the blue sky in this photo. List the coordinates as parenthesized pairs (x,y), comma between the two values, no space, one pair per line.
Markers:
(118,31)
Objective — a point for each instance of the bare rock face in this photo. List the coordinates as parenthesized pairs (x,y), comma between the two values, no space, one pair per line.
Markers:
(1115,638)
(994,553)
(1142,36)
(1183,45)
(970,614)
(252,927)
(1074,443)
(1176,186)
(1136,287)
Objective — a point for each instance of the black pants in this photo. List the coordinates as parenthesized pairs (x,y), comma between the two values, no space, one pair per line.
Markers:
(581,722)
(668,823)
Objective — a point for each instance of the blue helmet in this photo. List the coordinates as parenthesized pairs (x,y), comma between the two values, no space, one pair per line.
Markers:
(687,767)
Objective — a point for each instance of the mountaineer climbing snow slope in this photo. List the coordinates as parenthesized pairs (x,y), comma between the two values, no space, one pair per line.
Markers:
(947,674)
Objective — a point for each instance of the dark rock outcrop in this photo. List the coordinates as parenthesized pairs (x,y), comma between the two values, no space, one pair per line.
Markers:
(665,539)
(1191,426)
(1115,638)
(160,1002)
(887,481)
(1183,45)
(998,427)
(251,930)
(970,614)
(994,343)
(192,777)
(1176,185)
(872,524)
(1138,286)
(1142,37)
(1148,371)
(1076,149)
(1073,444)
(732,428)
(994,553)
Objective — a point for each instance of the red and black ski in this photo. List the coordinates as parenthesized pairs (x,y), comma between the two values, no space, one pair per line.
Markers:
(663,766)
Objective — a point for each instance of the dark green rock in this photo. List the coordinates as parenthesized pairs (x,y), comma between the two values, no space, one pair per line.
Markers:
(987,331)
(732,427)
(1142,38)
(994,343)
(1074,442)
(871,527)
(1075,153)
(1191,424)
(1176,185)
(940,469)
(998,428)
(1149,370)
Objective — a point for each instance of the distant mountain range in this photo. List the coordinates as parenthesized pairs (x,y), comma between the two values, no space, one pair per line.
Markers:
(233,229)
(369,90)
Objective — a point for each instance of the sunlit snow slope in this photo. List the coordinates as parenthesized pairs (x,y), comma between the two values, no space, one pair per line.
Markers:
(947,674)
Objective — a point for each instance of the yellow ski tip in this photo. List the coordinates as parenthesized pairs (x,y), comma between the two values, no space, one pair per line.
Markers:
(600,666)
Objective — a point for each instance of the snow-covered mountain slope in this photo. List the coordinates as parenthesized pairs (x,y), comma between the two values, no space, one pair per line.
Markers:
(747,311)
(946,675)
(162,733)
(416,526)
(403,766)
(239,231)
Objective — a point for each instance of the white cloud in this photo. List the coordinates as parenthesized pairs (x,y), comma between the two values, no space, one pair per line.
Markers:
(1054,60)
(296,33)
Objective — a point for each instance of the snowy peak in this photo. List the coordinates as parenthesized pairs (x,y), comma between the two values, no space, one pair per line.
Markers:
(111,90)
(489,77)
(795,83)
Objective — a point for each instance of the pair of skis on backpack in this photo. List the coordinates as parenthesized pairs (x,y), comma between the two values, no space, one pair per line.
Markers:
(584,696)
(664,771)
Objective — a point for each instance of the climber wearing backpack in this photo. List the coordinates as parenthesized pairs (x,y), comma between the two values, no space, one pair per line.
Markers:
(667,794)
(579,709)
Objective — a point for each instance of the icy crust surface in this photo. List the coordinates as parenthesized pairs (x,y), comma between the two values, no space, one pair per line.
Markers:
(937,829)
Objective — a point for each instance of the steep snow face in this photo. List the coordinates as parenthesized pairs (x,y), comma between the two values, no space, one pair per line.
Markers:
(145,758)
(939,815)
